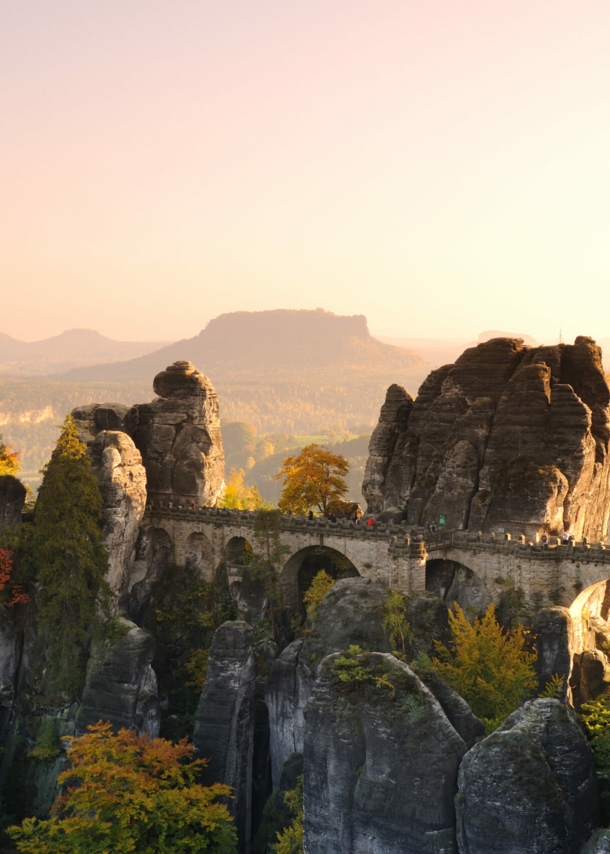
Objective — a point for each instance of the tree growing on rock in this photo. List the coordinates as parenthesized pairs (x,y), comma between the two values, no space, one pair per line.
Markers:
(9,459)
(127,793)
(489,668)
(71,560)
(313,478)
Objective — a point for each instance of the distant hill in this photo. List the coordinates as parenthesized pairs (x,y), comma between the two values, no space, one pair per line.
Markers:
(74,348)
(282,342)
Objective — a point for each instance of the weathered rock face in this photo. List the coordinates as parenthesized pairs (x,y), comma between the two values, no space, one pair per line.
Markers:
(598,844)
(121,685)
(509,436)
(117,464)
(94,417)
(9,657)
(554,644)
(530,786)
(178,435)
(380,768)
(351,613)
(12,499)
(224,727)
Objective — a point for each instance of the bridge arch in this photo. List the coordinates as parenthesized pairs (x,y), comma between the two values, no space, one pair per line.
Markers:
(237,550)
(300,570)
(455,582)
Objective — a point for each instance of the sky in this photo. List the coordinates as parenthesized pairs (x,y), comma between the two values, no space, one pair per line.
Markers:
(441,167)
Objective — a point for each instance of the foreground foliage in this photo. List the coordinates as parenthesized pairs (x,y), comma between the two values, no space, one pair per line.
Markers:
(395,623)
(71,560)
(290,840)
(489,668)
(321,584)
(313,478)
(130,794)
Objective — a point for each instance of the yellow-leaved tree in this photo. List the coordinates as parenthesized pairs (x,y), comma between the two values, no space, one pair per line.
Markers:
(313,478)
(489,668)
(239,496)
(9,459)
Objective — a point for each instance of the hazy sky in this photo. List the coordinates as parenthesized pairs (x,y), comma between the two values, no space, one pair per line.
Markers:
(442,167)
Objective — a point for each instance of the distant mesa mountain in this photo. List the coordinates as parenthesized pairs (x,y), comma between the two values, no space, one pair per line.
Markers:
(283,342)
(72,349)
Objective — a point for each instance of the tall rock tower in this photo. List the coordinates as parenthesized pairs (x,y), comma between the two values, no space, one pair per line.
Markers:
(510,438)
(178,435)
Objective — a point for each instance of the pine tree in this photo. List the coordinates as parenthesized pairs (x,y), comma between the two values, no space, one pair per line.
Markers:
(71,559)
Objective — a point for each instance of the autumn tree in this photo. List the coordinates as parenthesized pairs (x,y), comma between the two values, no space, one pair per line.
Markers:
(239,496)
(71,560)
(290,840)
(313,478)
(321,584)
(126,793)
(489,668)
(11,593)
(9,459)
(266,558)
(395,622)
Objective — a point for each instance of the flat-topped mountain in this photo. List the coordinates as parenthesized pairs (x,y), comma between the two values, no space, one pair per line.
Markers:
(74,348)
(285,341)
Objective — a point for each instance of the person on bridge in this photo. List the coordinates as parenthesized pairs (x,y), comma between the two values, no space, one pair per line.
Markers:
(370,522)
(544,539)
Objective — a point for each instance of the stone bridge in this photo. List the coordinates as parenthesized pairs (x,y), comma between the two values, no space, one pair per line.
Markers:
(454,564)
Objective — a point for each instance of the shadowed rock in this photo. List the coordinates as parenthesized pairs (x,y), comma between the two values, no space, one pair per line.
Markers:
(12,499)
(121,686)
(530,786)
(380,764)
(224,726)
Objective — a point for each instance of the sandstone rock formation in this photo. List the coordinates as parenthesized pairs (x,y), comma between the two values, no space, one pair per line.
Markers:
(94,417)
(117,464)
(530,786)
(12,499)
(380,768)
(598,844)
(509,437)
(121,686)
(224,727)
(350,613)
(178,435)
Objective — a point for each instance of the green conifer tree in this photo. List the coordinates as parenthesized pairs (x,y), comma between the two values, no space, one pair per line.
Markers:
(71,559)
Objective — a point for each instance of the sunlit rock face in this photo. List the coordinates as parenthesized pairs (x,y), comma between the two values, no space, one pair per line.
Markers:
(117,464)
(178,435)
(509,437)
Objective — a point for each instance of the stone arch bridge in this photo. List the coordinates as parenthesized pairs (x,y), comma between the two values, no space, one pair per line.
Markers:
(209,537)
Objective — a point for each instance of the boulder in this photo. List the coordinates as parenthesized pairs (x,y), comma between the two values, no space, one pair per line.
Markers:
(224,726)
(598,844)
(530,786)
(510,437)
(121,686)
(380,763)
(178,435)
(117,464)
(458,712)
(12,499)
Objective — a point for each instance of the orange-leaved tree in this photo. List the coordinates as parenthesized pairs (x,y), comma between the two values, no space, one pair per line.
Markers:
(313,478)
(491,669)
(10,593)
(9,459)
(126,794)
